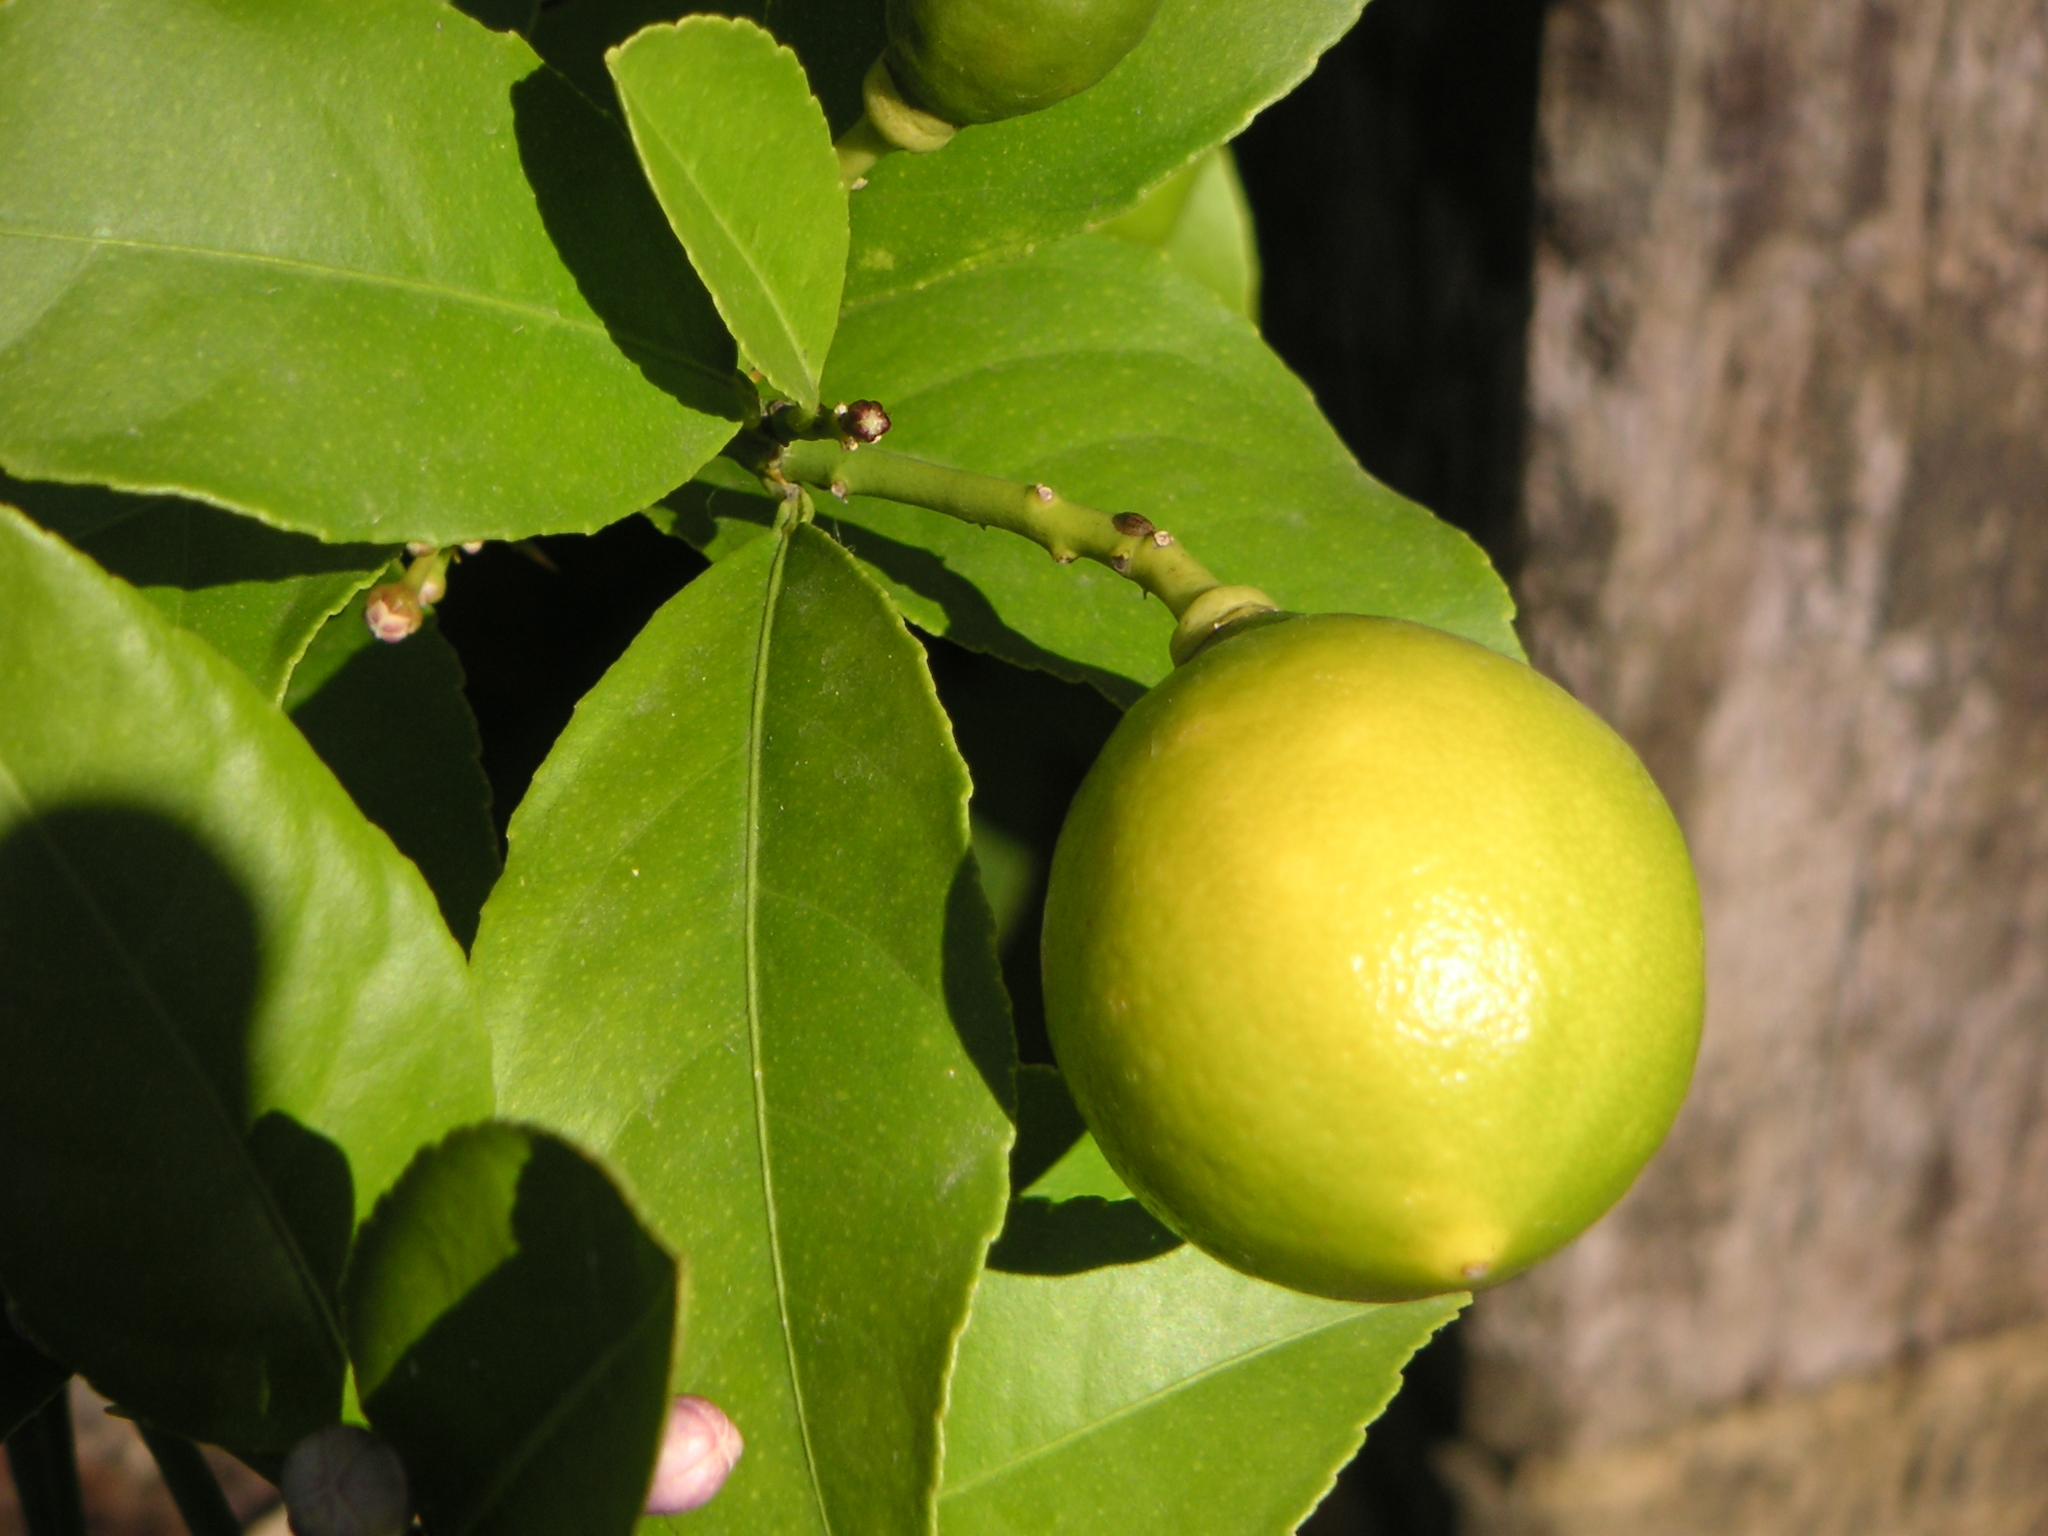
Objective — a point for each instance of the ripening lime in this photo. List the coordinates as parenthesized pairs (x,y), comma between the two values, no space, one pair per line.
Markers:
(1372,958)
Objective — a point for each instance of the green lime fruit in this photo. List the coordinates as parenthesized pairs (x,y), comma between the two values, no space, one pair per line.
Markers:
(979,61)
(1372,958)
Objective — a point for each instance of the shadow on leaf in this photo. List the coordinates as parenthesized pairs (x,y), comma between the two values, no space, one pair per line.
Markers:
(1068,1237)
(616,242)
(181,1259)
(169,541)
(512,1327)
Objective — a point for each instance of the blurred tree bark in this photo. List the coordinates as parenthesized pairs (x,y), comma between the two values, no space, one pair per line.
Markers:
(1786,521)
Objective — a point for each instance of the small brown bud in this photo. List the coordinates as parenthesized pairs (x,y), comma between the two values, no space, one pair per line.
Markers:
(393,612)
(864,421)
(1132,525)
(698,1453)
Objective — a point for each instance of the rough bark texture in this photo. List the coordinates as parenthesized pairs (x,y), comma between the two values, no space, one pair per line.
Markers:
(1787,521)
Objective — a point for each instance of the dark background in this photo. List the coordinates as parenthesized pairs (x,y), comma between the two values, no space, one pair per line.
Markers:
(1393,197)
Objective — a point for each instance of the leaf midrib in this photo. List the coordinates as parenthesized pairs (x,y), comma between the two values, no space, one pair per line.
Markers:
(1137,1405)
(471,297)
(750,885)
(138,979)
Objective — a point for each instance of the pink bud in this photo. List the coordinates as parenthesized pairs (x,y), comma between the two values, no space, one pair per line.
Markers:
(393,612)
(697,1455)
(344,1481)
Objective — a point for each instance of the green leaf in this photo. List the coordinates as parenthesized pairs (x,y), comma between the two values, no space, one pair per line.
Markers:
(1199,219)
(254,594)
(28,1379)
(228,1016)
(1100,1388)
(738,152)
(358,267)
(739,949)
(1201,74)
(392,723)
(1096,368)
(512,1327)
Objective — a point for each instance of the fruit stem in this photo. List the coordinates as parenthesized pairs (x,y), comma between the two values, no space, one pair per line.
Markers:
(858,149)
(1126,542)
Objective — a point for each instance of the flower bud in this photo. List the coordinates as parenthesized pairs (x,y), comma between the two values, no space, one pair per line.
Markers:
(393,612)
(864,421)
(697,1455)
(344,1481)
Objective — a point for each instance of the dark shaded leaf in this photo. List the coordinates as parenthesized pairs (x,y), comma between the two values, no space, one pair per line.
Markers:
(512,1328)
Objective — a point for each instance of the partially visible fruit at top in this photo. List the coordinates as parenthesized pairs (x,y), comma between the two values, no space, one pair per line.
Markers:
(979,61)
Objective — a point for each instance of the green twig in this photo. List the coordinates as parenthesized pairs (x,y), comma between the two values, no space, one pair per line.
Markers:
(193,1486)
(44,1460)
(1125,542)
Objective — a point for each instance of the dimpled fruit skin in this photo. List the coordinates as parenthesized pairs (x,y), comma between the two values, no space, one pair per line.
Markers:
(1372,958)
(979,61)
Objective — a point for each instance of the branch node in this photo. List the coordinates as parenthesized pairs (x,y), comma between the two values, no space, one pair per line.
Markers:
(1042,492)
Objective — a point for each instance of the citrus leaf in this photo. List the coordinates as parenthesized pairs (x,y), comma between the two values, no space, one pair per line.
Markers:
(392,724)
(739,949)
(1162,1395)
(1096,368)
(996,191)
(358,267)
(253,593)
(229,1014)
(512,1327)
(739,154)
(1199,219)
